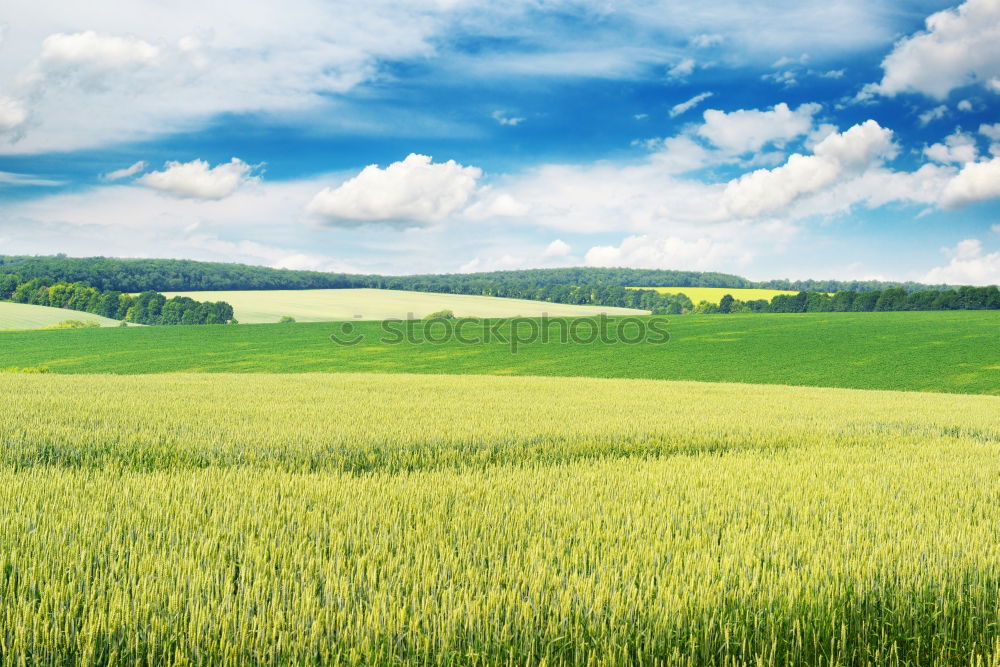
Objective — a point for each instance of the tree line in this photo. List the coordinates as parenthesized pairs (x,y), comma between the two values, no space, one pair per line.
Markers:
(176,275)
(892,299)
(149,307)
(579,286)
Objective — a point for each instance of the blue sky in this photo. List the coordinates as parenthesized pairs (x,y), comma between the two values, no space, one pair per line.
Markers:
(802,139)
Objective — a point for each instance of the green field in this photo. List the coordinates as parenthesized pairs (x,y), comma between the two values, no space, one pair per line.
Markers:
(25,316)
(715,294)
(276,519)
(330,305)
(957,351)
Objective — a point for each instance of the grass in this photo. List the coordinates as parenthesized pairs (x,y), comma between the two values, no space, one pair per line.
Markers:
(277,519)
(957,352)
(715,294)
(328,305)
(26,316)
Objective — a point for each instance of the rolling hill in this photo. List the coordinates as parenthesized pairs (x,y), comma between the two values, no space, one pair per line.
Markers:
(24,316)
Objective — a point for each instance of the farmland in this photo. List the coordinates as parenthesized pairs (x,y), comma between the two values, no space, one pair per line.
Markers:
(955,352)
(280,519)
(328,305)
(715,294)
(25,316)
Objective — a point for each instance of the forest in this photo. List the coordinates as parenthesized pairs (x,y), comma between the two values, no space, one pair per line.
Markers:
(177,275)
(892,299)
(149,307)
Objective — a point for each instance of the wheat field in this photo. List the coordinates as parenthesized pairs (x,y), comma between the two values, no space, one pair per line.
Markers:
(327,305)
(194,519)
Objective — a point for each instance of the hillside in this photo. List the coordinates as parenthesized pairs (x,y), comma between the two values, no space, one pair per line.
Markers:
(256,307)
(162,275)
(24,316)
(957,351)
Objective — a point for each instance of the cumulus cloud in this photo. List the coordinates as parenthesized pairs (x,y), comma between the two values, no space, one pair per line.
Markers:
(767,190)
(968,265)
(976,182)
(957,148)
(990,131)
(196,180)
(687,105)
(748,130)
(959,47)
(556,249)
(119,174)
(415,190)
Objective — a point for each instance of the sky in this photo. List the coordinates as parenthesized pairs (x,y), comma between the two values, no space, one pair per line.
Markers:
(857,139)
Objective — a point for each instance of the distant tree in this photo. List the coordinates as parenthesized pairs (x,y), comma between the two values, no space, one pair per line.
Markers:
(891,299)
(726,304)
(286,319)
(8,283)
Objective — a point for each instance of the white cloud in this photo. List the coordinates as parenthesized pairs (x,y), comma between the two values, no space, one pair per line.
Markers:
(990,131)
(13,114)
(687,105)
(10,178)
(506,119)
(504,262)
(767,190)
(196,180)
(931,115)
(958,148)
(682,69)
(502,205)
(557,248)
(652,252)
(977,181)
(63,51)
(964,105)
(707,40)
(959,47)
(133,71)
(784,61)
(748,130)
(414,190)
(968,265)
(787,78)
(119,174)
(151,68)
